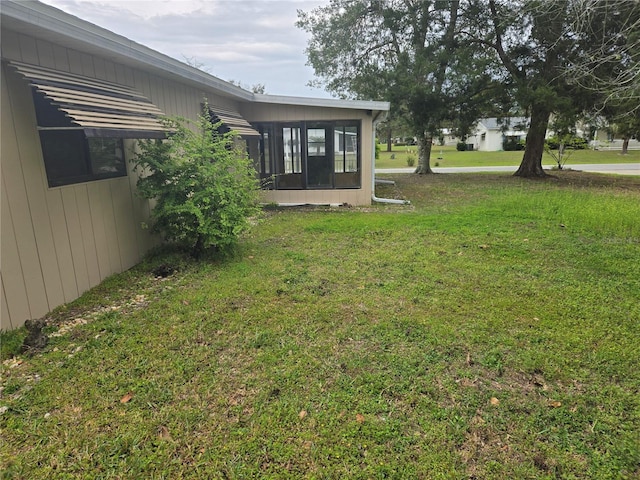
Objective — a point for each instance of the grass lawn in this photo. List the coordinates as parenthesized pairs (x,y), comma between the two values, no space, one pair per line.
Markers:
(490,330)
(448,156)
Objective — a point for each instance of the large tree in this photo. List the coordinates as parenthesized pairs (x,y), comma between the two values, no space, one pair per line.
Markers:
(611,60)
(404,51)
(537,43)
(443,59)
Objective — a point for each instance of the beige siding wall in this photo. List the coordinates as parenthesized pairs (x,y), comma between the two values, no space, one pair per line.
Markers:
(289,113)
(59,242)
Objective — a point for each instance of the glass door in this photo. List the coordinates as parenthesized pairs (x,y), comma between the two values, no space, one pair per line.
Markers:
(319,157)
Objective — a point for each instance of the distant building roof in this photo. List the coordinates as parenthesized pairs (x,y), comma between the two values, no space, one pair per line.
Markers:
(506,122)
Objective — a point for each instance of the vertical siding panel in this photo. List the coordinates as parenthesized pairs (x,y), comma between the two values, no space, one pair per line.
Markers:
(190,100)
(87,65)
(32,166)
(5,318)
(139,209)
(156,94)
(28,49)
(100,70)
(62,244)
(60,58)
(130,79)
(110,71)
(111,233)
(121,76)
(75,61)
(70,205)
(10,46)
(99,230)
(45,54)
(122,207)
(16,291)
(19,171)
(169,96)
(141,82)
(180,100)
(86,227)
(175,98)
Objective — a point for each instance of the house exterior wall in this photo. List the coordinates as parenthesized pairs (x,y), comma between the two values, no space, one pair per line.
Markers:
(491,143)
(59,242)
(256,113)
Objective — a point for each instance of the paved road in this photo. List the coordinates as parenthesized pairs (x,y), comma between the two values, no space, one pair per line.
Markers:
(618,168)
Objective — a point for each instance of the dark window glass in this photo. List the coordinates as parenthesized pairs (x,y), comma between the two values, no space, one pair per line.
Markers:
(107,157)
(319,161)
(266,153)
(292,154)
(331,158)
(65,158)
(71,157)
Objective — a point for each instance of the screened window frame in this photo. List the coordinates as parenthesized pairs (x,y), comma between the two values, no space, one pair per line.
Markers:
(52,123)
(89,171)
(276,146)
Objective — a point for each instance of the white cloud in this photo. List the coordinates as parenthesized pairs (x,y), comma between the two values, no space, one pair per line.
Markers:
(252,41)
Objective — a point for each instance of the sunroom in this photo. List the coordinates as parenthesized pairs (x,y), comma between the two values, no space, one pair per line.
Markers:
(314,151)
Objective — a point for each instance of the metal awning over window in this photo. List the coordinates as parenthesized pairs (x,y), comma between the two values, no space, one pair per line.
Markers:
(233,121)
(100,108)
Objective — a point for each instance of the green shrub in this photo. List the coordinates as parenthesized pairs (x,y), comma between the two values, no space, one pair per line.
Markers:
(512,144)
(411,160)
(570,142)
(203,182)
(461,146)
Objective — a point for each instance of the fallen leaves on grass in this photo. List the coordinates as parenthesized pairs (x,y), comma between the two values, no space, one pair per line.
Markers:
(494,401)
(127,398)
(555,404)
(359,418)
(302,414)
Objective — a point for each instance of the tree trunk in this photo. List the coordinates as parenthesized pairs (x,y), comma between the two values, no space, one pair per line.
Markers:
(388,139)
(531,165)
(424,154)
(625,145)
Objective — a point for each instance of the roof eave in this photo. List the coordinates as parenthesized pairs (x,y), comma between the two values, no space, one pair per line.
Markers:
(51,19)
(53,22)
(322,102)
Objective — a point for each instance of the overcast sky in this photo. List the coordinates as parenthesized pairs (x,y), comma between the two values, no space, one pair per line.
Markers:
(251,41)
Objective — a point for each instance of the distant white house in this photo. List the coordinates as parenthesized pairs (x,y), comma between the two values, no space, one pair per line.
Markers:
(490,133)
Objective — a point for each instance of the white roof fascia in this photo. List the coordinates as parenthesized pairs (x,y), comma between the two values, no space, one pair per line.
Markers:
(51,19)
(322,102)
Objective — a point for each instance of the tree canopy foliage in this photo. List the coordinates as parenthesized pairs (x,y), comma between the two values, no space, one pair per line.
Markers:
(457,60)
(402,51)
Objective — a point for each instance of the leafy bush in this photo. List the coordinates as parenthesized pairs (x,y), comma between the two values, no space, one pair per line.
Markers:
(411,160)
(203,182)
(570,142)
(378,148)
(461,146)
(512,144)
